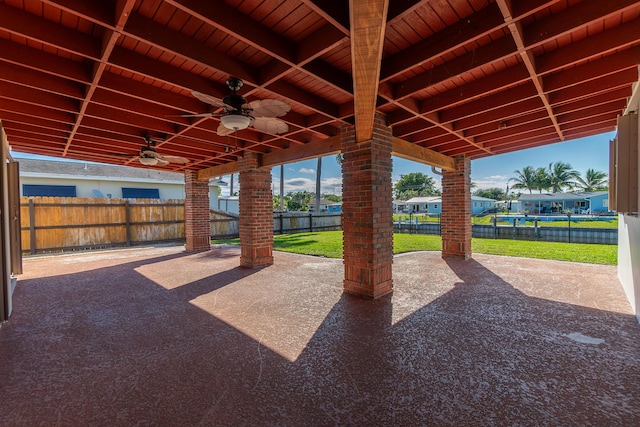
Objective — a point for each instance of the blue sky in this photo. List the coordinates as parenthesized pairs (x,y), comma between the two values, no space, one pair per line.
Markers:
(494,171)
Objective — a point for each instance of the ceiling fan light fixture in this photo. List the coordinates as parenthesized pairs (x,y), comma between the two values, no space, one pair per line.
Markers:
(149,161)
(235,121)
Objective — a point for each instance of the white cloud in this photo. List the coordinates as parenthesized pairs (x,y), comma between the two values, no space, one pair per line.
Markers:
(493,181)
(307,170)
(327,185)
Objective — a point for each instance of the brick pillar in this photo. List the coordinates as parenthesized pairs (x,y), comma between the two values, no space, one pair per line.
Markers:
(256,213)
(197,228)
(456,210)
(367,211)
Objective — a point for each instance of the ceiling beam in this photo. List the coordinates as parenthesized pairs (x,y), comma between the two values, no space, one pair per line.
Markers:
(409,151)
(368,23)
(515,27)
(110,38)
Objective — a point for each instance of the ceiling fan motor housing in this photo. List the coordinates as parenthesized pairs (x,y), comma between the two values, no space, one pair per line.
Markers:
(236,101)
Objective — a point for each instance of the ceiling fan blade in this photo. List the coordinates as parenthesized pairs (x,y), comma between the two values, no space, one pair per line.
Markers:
(208,99)
(224,131)
(269,108)
(175,159)
(270,125)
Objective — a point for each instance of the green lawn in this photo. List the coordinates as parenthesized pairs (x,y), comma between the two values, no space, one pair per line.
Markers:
(329,244)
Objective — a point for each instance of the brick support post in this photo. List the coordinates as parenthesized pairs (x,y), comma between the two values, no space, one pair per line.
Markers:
(197,228)
(456,210)
(256,213)
(367,211)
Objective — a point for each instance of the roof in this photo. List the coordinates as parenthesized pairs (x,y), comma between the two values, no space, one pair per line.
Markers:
(417,200)
(32,167)
(87,80)
(560,196)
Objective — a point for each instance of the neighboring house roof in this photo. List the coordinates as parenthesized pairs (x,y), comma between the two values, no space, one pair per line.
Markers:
(84,171)
(555,197)
(415,200)
(481,199)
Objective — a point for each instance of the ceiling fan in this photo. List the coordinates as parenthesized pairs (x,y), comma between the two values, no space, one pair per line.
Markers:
(149,156)
(239,114)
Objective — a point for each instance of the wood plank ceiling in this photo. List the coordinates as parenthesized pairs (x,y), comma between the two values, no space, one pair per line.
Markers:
(88,79)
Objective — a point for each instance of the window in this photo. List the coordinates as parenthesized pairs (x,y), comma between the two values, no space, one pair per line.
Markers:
(605,203)
(140,193)
(49,190)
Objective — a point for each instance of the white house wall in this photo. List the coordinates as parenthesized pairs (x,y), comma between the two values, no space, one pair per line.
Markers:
(629,239)
(629,259)
(85,187)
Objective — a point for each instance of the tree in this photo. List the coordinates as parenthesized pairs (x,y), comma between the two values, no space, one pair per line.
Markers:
(299,200)
(332,197)
(542,180)
(526,179)
(415,184)
(494,193)
(561,175)
(593,181)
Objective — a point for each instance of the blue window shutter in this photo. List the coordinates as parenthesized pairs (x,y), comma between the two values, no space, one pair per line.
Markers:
(48,190)
(140,193)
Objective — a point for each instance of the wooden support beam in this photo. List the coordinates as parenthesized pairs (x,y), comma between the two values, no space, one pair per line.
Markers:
(368,19)
(321,147)
(220,170)
(406,150)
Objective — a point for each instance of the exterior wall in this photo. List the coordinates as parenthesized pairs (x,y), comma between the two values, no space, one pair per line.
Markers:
(256,213)
(600,203)
(629,259)
(85,187)
(196,213)
(112,188)
(456,210)
(367,208)
(229,204)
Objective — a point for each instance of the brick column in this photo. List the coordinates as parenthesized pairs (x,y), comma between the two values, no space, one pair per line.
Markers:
(256,213)
(197,228)
(456,210)
(367,211)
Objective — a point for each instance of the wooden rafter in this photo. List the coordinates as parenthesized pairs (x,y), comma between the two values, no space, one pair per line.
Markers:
(368,22)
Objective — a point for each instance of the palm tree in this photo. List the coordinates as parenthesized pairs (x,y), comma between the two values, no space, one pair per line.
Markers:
(525,179)
(593,181)
(542,180)
(561,175)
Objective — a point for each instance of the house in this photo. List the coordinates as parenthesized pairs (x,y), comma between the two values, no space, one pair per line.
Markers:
(596,202)
(326,206)
(433,205)
(513,206)
(229,204)
(94,180)
(399,206)
(424,204)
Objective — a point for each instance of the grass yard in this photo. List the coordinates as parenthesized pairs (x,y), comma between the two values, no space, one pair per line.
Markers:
(329,244)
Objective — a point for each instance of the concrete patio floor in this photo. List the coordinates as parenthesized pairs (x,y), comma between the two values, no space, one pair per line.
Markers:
(156,336)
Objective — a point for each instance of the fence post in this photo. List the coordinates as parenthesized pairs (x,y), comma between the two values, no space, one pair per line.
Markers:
(127,216)
(32,227)
(281,223)
(310,222)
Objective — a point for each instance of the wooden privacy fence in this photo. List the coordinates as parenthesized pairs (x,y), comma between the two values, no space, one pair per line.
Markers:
(53,224)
